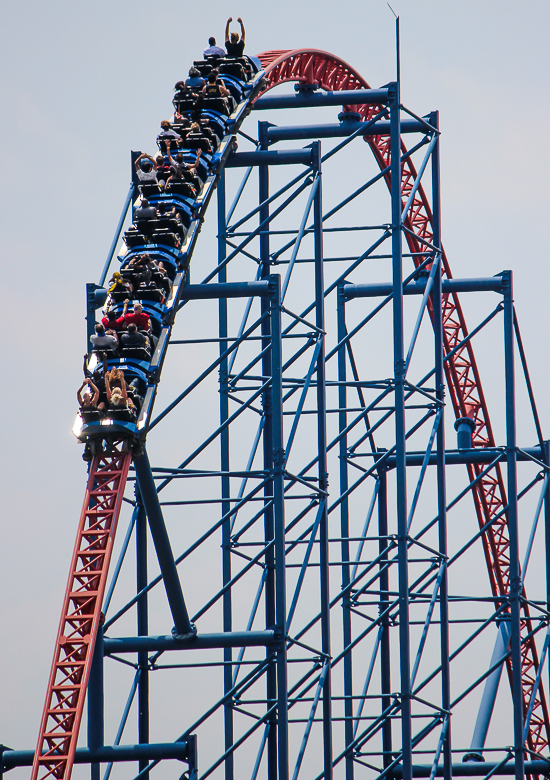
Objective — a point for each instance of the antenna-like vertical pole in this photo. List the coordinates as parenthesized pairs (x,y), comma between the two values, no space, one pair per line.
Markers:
(397,46)
(398,50)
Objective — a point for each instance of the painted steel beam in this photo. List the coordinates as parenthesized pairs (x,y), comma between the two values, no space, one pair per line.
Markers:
(179,750)
(279,157)
(383,289)
(490,690)
(133,644)
(151,752)
(476,769)
(182,624)
(309,99)
(341,129)
(227,290)
(462,457)
(118,230)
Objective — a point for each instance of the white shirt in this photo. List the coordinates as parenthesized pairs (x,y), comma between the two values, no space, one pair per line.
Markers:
(110,342)
(213,51)
(147,175)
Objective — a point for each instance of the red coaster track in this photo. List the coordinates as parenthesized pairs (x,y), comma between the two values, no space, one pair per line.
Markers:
(311,66)
(81,615)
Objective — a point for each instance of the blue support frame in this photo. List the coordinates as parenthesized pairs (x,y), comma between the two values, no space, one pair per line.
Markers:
(142,624)
(309,691)
(513,530)
(400,440)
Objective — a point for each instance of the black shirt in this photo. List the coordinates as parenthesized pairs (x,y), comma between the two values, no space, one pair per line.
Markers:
(213,90)
(198,141)
(163,172)
(234,49)
(133,339)
(185,94)
(178,170)
(149,212)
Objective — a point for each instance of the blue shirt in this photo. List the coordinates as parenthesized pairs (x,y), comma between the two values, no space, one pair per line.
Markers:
(195,81)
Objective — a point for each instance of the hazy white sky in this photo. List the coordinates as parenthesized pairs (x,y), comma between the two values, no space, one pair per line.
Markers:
(85,83)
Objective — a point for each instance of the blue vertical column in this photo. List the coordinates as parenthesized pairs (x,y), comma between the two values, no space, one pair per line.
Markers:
(142,625)
(270,619)
(344,527)
(513,531)
(322,462)
(385,657)
(225,484)
(547,537)
(278,459)
(440,451)
(400,454)
(95,702)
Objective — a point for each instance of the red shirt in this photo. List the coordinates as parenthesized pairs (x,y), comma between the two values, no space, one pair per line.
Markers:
(117,324)
(141,320)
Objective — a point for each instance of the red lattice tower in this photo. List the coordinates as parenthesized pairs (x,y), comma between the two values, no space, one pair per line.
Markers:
(310,66)
(81,616)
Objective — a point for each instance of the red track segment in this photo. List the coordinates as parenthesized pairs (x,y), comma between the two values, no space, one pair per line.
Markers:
(81,616)
(331,73)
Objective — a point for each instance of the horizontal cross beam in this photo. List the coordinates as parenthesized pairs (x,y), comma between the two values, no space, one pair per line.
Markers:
(340,130)
(278,157)
(475,769)
(227,290)
(107,754)
(134,644)
(460,457)
(308,99)
(383,289)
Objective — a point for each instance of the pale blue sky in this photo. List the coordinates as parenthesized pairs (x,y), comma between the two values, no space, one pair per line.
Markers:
(85,83)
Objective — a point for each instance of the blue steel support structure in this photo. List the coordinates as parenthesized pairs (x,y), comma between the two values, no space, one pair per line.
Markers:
(225,486)
(96,705)
(515,580)
(322,465)
(142,624)
(269,524)
(440,450)
(330,621)
(400,442)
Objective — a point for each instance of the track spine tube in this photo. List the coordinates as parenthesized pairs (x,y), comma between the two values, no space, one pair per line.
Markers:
(225,482)
(270,619)
(399,394)
(322,450)
(515,580)
(440,452)
(344,527)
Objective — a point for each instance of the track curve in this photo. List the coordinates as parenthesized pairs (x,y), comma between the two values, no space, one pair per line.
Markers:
(331,73)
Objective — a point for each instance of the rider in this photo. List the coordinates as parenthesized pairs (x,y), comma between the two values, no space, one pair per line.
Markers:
(233,44)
